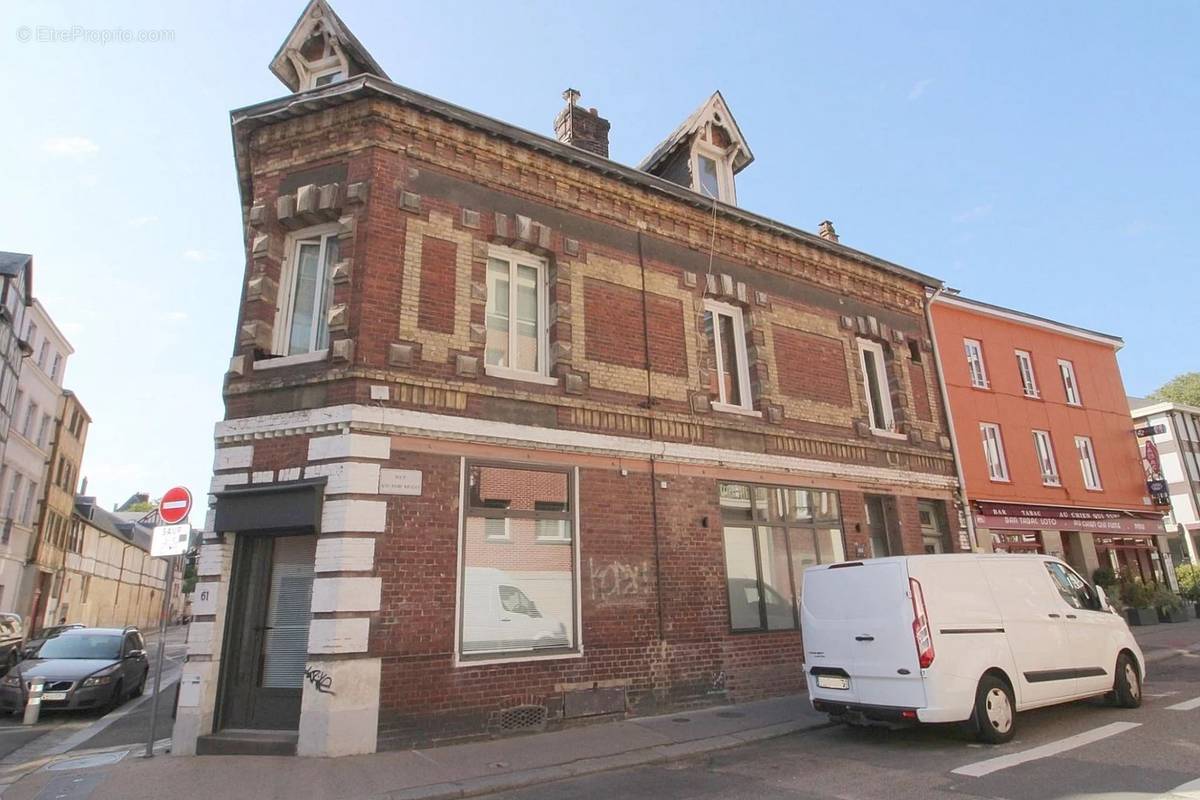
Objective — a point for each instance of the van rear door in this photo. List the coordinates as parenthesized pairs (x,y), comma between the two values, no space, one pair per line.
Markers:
(858,616)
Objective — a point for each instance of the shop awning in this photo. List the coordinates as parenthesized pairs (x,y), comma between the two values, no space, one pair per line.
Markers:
(1022,517)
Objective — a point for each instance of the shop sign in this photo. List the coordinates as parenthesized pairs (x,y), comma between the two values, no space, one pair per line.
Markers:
(1150,430)
(1013,516)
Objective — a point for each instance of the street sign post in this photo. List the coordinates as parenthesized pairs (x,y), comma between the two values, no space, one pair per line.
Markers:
(170,541)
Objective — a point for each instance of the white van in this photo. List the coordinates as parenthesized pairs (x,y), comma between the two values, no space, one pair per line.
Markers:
(958,638)
(500,616)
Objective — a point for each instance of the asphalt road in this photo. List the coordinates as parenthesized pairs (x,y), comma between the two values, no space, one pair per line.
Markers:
(129,723)
(1147,752)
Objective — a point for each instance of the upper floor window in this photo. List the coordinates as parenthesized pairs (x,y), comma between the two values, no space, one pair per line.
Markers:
(303,326)
(729,380)
(993,451)
(43,353)
(1045,456)
(711,173)
(516,342)
(57,368)
(1070,385)
(1087,463)
(875,385)
(328,76)
(1025,368)
(974,351)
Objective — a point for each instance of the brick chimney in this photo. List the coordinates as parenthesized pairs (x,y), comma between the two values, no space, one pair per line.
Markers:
(826,231)
(581,128)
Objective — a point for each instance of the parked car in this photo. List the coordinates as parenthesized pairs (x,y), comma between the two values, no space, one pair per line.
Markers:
(12,633)
(82,668)
(961,638)
(34,644)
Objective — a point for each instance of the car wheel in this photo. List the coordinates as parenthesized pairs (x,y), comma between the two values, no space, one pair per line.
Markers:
(995,712)
(1127,685)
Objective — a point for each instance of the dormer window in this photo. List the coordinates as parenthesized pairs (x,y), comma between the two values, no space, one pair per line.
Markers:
(711,175)
(704,153)
(326,77)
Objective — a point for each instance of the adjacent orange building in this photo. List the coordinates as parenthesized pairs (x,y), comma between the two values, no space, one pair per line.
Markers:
(1049,460)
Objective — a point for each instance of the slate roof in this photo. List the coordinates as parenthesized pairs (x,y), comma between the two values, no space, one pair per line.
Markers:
(13,263)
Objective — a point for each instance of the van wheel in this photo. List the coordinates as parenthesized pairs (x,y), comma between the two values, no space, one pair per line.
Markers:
(995,711)
(1127,686)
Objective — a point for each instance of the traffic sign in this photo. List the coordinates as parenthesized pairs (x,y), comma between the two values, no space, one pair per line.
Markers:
(170,540)
(175,505)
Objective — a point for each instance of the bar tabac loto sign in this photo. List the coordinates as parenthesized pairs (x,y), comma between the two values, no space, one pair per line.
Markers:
(1014,516)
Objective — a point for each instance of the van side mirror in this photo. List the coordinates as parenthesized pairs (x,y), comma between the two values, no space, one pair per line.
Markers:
(1102,598)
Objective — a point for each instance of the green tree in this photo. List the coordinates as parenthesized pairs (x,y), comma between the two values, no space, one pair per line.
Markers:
(1183,388)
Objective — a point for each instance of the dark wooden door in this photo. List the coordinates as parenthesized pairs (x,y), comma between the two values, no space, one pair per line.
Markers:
(266,639)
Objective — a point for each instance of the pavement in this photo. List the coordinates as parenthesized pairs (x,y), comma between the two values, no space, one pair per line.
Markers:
(573,756)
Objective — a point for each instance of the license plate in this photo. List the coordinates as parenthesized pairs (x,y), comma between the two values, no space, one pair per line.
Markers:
(54,696)
(833,682)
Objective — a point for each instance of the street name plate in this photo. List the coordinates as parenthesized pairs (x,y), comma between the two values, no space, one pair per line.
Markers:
(400,481)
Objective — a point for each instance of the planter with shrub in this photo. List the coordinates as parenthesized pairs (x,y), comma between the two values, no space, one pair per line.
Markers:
(1188,576)
(1139,603)
(1168,605)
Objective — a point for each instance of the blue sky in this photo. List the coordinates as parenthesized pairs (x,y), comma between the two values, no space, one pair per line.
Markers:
(1036,155)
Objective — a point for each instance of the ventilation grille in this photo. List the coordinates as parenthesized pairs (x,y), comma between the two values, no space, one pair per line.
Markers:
(523,718)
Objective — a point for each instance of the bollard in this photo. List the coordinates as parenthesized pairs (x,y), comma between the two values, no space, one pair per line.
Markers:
(33,702)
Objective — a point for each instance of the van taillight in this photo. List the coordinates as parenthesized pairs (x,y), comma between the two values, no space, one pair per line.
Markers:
(922,633)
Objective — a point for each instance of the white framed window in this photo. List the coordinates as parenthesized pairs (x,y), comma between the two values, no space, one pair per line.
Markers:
(43,434)
(729,380)
(54,371)
(31,412)
(712,175)
(1087,463)
(516,342)
(516,599)
(497,530)
(878,394)
(1025,369)
(28,505)
(43,353)
(327,76)
(993,451)
(1044,449)
(1070,385)
(302,321)
(974,350)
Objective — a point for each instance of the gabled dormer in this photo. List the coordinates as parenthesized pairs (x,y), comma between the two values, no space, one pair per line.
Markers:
(704,153)
(321,50)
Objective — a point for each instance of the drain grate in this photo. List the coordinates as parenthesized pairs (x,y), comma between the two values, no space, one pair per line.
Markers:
(681,719)
(523,718)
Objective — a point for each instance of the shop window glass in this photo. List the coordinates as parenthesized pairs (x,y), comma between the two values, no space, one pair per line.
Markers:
(518,586)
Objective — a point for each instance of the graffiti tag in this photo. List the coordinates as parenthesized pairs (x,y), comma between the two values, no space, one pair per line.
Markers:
(616,581)
(320,680)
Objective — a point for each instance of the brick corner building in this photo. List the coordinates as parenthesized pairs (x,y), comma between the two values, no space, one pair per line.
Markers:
(518,436)
(1049,460)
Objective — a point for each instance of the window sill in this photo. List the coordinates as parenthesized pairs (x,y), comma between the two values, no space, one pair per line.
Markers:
(999,480)
(731,409)
(291,361)
(485,659)
(508,373)
(888,434)
(987,387)
(1029,396)
(552,541)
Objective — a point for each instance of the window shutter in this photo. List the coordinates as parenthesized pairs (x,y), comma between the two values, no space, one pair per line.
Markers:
(289,612)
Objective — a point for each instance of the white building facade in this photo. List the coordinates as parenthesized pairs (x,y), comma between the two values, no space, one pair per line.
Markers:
(24,471)
(1178,461)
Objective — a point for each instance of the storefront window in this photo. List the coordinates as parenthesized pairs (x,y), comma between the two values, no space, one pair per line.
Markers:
(771,535)
(519,567)
(1016,542)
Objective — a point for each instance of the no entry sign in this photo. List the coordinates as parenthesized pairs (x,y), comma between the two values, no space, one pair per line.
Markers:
(175,505)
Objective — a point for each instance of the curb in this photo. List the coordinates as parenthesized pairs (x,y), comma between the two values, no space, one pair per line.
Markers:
(658,754)
(1163,653)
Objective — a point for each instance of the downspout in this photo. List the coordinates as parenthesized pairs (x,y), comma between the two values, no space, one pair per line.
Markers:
(649,405)
(958,471)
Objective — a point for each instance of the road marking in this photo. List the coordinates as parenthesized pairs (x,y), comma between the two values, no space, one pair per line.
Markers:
(988,766)
(1186,705)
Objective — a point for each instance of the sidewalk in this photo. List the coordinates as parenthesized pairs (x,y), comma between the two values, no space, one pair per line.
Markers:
(442,772)
(1167,639)
(474,768)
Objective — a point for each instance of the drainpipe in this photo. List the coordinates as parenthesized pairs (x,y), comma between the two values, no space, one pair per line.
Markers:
(649,405)
(937,363)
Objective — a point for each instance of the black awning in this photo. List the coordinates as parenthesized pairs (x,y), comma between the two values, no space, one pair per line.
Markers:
(279,508)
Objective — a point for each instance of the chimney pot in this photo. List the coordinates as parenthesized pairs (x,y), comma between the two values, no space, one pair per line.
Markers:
(826,231)
(582,128)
